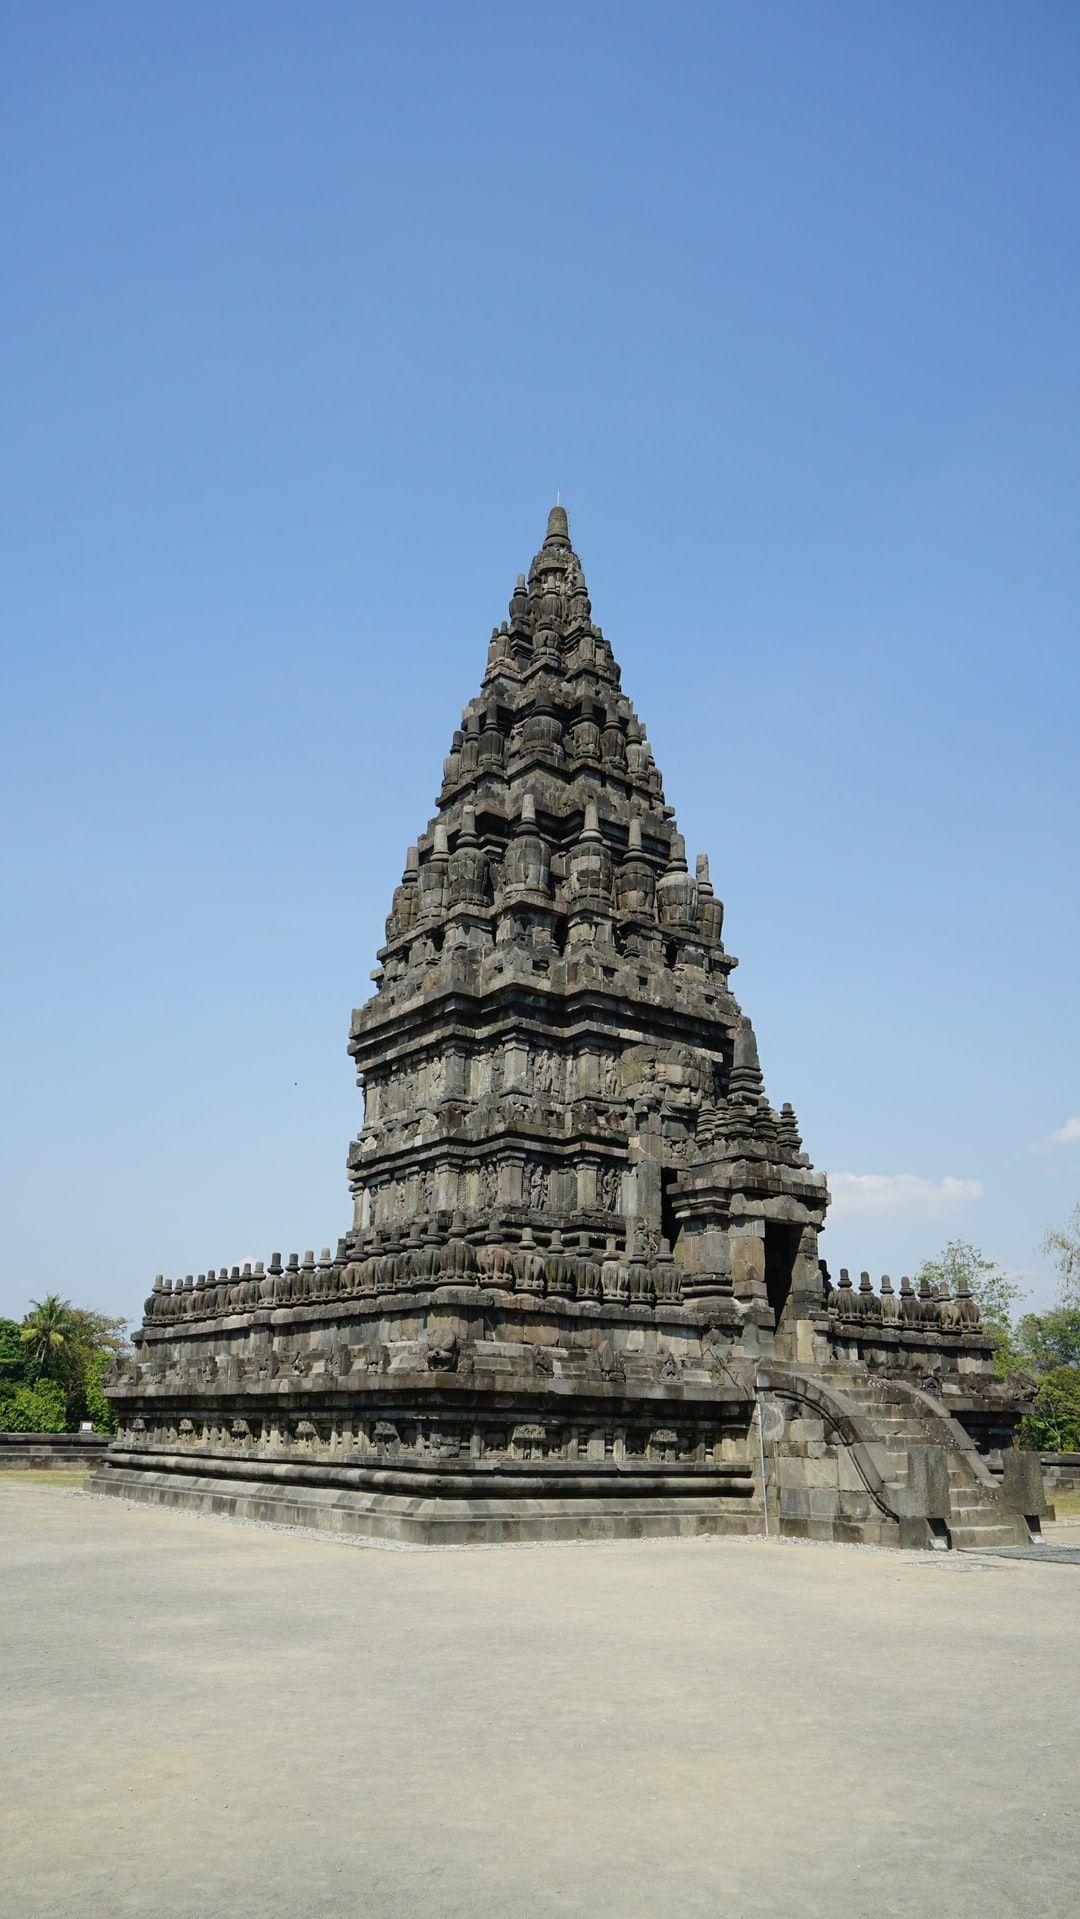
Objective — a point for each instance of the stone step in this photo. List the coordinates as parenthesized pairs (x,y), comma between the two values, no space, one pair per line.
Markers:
(889,1416)
(867,1391)
(989,1535)
(904,1415)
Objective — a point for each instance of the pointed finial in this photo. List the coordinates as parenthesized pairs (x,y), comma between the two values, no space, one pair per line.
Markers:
(745,1050)
(558,526)
(677,856)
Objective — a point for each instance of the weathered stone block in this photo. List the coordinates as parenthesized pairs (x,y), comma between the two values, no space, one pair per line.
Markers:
(848,1476)
(854,1505)
(823,1504)
(928,1481)
(794,1503)
(1022,1483)
(820,1473)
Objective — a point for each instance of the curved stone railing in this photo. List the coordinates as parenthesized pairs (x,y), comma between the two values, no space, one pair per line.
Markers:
(924,1505)
(841,1415)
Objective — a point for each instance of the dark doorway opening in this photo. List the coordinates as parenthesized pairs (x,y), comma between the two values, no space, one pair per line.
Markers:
(781,1252)
(669,1225)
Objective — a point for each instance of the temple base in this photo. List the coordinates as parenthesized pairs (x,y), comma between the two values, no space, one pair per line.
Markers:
(434,1520)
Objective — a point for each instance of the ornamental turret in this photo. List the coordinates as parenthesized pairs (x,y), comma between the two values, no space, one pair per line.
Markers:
(527,866)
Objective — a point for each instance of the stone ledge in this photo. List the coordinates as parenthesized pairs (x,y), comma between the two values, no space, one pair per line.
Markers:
(433,1521)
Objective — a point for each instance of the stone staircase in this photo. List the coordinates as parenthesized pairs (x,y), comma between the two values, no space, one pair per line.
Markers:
(904,1419)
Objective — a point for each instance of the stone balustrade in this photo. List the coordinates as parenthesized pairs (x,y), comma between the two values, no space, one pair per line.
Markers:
(922,1332)
(922,1308)
(580,1271)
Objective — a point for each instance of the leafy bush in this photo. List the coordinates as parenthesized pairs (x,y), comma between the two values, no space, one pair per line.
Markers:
(40,1408)
(97,1406)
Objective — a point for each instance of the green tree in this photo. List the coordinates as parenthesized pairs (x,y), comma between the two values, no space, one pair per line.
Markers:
(96,1406)
(1047,1341)
(1062,1245)
(50,1337)
(97,1332)
(16,1365)
(1052,1421)
(1047,1345)
(99,1338)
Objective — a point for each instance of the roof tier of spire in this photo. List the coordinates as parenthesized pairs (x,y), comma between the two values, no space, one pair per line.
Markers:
(550,790)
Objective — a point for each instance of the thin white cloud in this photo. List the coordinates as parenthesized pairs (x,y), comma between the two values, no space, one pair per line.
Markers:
(899,1195)
(1067,1135)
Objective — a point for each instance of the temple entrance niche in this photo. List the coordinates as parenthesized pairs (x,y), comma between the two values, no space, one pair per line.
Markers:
(781,1251)
(669,1224)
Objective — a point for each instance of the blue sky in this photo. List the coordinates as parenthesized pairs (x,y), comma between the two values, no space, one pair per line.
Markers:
(309,310)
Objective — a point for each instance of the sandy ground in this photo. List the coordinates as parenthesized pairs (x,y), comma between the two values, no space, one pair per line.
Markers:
(206,1721)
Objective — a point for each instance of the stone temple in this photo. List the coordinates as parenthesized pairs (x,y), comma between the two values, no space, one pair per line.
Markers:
(580,1295)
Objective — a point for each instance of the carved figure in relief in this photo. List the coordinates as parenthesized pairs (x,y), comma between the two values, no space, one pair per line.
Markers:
(487,1188)
(609,1188)
(540,1072)
(442,1353)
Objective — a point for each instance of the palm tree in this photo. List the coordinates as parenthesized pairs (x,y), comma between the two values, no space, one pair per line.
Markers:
(49,1333)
